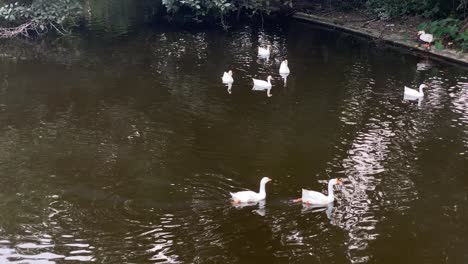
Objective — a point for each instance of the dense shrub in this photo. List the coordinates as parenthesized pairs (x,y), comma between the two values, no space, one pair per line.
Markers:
(202,9)
(427,8)
(38,16)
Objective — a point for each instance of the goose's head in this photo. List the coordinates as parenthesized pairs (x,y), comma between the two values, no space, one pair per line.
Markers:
(421,32)
(268,47)
(269,78)
(336,181)
(422,86)
(265,180)
(285,62)
(230,72)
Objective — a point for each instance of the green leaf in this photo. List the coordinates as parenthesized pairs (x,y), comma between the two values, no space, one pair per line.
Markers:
(439,45)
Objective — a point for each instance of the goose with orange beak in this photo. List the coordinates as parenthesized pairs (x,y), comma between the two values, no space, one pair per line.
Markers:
(426,38)
(251,196)
(317,198)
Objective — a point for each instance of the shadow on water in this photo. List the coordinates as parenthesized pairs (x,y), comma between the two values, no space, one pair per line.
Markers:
(127,152)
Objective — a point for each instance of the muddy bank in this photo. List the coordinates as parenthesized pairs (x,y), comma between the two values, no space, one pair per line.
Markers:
(400,33)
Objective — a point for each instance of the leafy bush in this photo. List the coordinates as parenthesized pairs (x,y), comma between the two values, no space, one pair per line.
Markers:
(42,15)
(201,9)
(427,8)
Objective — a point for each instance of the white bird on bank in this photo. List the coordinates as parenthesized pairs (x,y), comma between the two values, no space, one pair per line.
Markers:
(227,77)
(426,37)
(261,85)
(250,196)
(415,93)
(284,69)
(317,198)
(262,52)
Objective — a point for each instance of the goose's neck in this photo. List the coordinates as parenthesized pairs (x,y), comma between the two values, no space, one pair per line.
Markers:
(330,191)
(262,188)
(421,90)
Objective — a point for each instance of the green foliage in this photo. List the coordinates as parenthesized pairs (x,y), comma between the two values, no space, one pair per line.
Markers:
(447,31)
(200,9)
(438,45)
(426,8)
(43,14)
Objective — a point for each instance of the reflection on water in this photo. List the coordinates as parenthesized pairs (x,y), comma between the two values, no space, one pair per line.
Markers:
(284,76)
(459,95)
(130,156)
(412,98)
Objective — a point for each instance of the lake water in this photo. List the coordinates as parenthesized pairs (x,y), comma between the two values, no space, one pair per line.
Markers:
(124,148)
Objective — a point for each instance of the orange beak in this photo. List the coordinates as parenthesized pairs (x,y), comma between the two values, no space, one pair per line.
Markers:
(339,182)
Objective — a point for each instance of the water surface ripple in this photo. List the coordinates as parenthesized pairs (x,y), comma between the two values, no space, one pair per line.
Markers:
(130,155)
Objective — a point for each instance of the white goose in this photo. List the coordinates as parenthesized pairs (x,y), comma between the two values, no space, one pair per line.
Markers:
(261,85)
(428,38)
(317,198)
(227,77)
(250,196)
(262,52)
(414,93)
(284,69)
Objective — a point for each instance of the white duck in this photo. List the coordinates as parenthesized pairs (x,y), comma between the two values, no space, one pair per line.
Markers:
(250,196)
(426,37)
(261,85)
(262,52)
(414,93)
(284,69)
(316,198)
(227,77)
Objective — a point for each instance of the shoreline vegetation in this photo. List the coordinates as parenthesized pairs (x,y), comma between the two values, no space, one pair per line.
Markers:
(390,20)
(396,34)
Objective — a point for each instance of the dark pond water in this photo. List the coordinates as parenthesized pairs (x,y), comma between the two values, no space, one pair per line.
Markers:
(124,150)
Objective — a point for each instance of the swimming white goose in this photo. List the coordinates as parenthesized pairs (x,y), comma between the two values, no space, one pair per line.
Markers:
(250,196)
(428,38)
(284,69)
(317,198)
(262,52)
(414,93)
(261,85)
(227,77)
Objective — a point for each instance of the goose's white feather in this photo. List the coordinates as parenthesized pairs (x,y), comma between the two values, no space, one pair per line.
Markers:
(314,197)
(263,85)
(284,69)
(317,198)
(250,196)
(227,77)
(264,52)
(426,37)
(414,93)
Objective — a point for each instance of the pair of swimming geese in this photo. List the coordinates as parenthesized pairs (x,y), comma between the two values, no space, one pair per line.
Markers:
(308,197)
(260,85)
